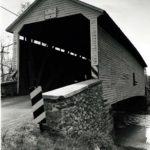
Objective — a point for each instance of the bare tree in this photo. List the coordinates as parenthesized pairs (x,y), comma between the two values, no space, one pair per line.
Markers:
(6,44)
(23,7)
(6,62)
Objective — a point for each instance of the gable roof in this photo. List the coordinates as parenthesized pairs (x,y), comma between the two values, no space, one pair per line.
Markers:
(115,29)
(36,2)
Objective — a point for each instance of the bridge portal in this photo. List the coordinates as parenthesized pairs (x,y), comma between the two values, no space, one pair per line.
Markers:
(54,53)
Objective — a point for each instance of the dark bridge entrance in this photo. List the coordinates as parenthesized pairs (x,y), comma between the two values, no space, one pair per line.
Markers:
(54,53)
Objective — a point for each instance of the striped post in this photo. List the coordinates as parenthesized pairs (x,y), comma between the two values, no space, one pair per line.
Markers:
(96,147)
(94,72)
(38,106)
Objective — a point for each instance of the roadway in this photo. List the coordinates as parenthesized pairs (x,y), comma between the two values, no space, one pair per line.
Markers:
(15,112)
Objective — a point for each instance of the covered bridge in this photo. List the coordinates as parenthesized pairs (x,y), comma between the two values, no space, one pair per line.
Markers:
(62,42)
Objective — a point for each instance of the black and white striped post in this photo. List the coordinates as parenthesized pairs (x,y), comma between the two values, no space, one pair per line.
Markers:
(38,106)
(94,72)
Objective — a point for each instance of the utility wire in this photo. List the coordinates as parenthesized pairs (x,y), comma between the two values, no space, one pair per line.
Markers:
(9,11)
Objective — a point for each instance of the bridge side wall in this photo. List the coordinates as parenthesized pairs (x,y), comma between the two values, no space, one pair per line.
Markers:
(116,68)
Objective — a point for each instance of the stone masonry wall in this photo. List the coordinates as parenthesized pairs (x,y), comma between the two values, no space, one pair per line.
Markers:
(83,114)
(8,88)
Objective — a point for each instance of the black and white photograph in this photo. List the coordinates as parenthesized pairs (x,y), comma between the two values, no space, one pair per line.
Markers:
(75,74)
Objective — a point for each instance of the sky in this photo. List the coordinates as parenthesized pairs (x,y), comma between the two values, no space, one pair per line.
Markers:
(132,16)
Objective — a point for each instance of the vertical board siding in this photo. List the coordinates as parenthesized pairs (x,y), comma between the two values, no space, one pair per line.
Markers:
(15,47)
(15,63)
(94,47)
(116,67)
(94,41)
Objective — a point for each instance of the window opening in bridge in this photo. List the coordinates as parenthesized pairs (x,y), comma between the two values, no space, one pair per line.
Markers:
(62,50)
(44,44)
(37,42)
(56,53)
(21,37)
(134,80)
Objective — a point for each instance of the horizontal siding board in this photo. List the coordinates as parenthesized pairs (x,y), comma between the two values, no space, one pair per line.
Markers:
(116,68)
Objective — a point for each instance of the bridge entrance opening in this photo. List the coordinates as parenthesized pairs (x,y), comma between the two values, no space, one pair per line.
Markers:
(54,53)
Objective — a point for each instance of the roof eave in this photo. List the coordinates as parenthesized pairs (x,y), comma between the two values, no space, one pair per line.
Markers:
(11,26)
(89,6)
(125,37)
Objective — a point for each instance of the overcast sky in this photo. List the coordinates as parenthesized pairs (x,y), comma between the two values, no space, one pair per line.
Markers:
(132,16)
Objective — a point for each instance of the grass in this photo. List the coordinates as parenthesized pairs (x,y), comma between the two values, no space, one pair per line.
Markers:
(29,137)
(132,148)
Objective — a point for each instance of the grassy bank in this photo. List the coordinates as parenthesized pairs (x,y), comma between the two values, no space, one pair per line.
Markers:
(29,137)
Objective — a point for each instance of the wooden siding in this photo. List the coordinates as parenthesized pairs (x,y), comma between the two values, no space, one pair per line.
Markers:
(116,64)
(64,8)
(15,50)
(116,68)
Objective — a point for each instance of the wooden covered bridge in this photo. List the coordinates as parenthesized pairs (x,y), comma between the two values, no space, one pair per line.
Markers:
(58,43)
(69,42)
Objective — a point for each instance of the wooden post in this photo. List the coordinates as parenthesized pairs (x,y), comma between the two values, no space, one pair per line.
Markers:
(94,47)
(16,56)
